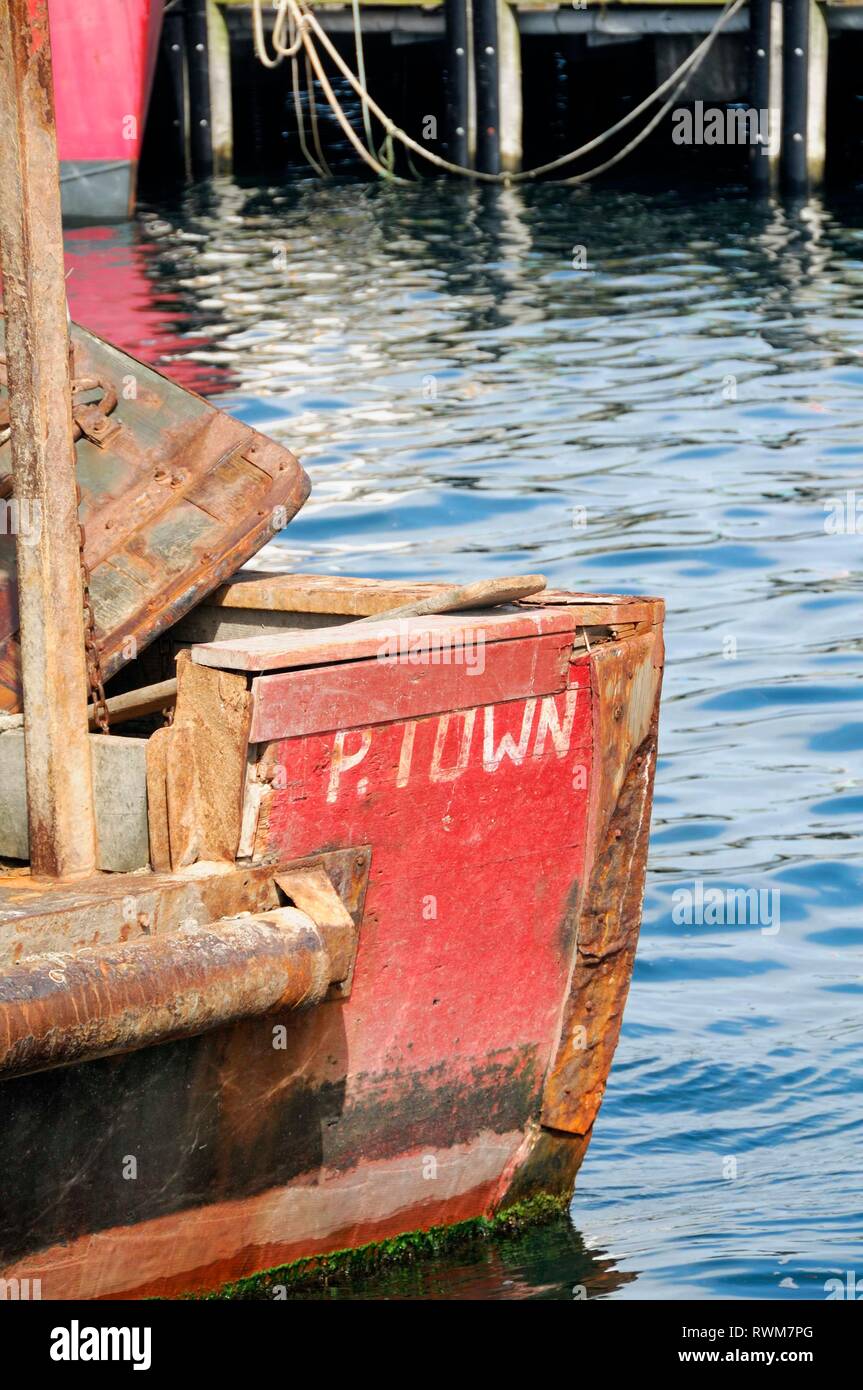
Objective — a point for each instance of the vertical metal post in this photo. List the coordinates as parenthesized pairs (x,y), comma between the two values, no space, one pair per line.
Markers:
(795,95)
(50,596)
(458,81)
(487,61)
(174,49)
(760,36)
(198,62)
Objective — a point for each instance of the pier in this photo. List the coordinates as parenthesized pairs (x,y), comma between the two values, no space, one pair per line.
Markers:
(764,90)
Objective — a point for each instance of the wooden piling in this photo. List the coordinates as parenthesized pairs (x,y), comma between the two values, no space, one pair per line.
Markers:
(487,70)
(198,68)
(59,776)
(458,81)
(509,44)
(816,116)
(220,90)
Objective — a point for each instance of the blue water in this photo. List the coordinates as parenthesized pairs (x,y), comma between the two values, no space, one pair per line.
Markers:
(672,420)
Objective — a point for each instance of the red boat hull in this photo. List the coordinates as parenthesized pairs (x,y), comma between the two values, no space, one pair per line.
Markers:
(504,813)
(104,56)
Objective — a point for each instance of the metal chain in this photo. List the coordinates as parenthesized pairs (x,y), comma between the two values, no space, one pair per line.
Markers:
(91,646)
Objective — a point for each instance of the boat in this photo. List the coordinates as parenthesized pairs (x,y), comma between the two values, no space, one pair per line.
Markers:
(318,945)
(104,61)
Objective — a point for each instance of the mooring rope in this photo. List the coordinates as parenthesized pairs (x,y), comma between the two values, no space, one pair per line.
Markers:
(291,52)
(305,21)
(338,112)
(361,69)
(313,116)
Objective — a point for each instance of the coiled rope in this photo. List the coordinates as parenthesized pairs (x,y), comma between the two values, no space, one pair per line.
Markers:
(296,17)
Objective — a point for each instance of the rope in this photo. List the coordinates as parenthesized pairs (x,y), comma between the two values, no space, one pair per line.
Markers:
(281,50)
(361,69)
(342,119)
(313,117)
(306,21)
(298,105)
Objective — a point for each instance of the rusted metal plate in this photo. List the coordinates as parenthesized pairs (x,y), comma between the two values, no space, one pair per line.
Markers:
(175,501)
(626,679)
(113,908)
(74,1006)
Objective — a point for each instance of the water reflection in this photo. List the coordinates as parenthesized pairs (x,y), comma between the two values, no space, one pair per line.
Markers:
(671,416)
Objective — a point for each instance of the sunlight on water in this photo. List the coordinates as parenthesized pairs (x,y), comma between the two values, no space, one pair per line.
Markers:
(682,417)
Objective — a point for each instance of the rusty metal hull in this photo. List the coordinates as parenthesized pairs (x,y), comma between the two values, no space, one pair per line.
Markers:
(175,496)
(491,848)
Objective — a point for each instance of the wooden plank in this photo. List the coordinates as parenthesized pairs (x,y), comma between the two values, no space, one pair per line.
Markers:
(207,624)
(109,908)
(320,593)
(62,828)
(157,800)
(205,769)
(384,640)
(120,794)
(603,610)
(483,594)
(360,693)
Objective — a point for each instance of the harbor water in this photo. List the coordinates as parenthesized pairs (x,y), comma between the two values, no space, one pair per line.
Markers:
(631,393)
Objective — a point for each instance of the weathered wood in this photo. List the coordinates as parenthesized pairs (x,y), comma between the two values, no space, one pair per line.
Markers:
(112,908)
(603,610)
(354,694)
(157,800)
(120,795)
(509,45)
(134,704)
(310,888)
(205,769)
(220,89)
(206,624)
(379,638)
(626,679)
(150,699)
(319,593)
(62,827)
(485,593)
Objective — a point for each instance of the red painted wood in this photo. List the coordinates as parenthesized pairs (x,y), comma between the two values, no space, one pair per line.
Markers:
(477,822)
(313,700)
(322,646)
